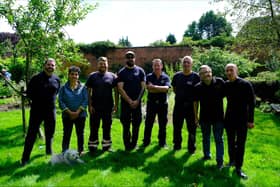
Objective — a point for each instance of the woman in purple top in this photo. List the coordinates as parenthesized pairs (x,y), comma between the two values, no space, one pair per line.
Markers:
(73,100)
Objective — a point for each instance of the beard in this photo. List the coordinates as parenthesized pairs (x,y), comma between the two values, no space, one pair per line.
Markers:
(130,63)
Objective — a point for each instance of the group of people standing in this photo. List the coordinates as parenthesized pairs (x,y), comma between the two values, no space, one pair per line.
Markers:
(198,100)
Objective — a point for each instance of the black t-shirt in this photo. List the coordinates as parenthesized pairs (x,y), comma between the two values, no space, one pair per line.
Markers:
(42,90)
(240,101)
(184,87)
(211,100)
(163,80)
(132,79)
(102,85)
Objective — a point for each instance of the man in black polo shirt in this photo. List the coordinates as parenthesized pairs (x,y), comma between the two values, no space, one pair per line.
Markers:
(239,115)
(101,105)
(157,85)
(210,94)
(131,85)
(41,90)
(183,85)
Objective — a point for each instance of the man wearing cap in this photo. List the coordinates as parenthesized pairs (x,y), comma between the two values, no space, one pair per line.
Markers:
(41,90)
(183,85)
(239,116)
(100,85)
(131,86)
(157,85)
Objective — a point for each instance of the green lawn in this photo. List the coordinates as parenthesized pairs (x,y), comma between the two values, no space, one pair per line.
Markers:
(152,167)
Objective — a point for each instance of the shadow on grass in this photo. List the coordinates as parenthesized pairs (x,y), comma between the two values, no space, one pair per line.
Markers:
(11,137)
(179,173)
(276,119)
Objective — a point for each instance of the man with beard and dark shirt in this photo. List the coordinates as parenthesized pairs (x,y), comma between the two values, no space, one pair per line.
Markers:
(239,116)
(131,86)
(100,86)
(209,96)
(41,90)
(183,85)
(157,85)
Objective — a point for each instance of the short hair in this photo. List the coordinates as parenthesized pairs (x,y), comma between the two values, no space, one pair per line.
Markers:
(231,65)
(204,66)
(74,69)
(187,57)
(49,60)
(103,59)
(157,60)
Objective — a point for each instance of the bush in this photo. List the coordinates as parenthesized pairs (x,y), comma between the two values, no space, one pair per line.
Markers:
(217,59)
(267,86)
(5,90)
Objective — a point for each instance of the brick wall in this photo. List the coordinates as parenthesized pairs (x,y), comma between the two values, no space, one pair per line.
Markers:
(116,57)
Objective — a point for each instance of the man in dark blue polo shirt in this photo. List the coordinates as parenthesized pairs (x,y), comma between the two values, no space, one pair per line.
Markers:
(131,86)
(100,85)
(239,115)
(183,85)
(157,85)
(41,90)
(210,94)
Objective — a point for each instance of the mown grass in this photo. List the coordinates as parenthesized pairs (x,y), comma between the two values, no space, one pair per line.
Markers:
(149,167)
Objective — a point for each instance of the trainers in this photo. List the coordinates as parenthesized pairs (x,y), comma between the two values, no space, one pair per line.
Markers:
(163,146)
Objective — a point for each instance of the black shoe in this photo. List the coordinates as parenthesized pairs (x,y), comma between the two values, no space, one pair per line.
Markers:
(231,164)
(108,149)
(191,152)
(206,158)
(241,174)
(176,147)
(23,162)
(220,166)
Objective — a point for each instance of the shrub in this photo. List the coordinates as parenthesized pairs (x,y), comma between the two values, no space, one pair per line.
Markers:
(217,60)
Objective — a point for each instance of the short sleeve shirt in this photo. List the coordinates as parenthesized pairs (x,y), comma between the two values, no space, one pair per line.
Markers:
(184,87)
(163,80)
(132,79)
(102,85)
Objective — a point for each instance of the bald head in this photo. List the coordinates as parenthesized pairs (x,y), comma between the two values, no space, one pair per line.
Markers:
(231,71)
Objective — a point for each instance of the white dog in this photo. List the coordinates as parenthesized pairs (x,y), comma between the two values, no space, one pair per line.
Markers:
(67,157)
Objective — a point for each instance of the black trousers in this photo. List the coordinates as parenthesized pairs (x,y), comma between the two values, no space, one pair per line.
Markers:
(37,116)
(181,113)
(67,131)
(130,116)
(154,109)
(95,119)
(236,136)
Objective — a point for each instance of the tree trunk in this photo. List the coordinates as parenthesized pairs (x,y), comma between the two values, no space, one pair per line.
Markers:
(275,24)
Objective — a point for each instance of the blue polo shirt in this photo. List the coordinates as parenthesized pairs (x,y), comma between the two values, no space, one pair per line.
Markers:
(102,85)
(132,79)
(184,87)
(163,80)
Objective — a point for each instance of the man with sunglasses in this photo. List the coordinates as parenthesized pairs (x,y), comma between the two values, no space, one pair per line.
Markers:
(131,86)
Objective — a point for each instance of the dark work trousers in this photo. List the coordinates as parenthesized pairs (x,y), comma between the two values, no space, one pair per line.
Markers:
(67,131)
(134,117)
(37,116)
(236,136)
(95,119)
(154,109)
(181,113)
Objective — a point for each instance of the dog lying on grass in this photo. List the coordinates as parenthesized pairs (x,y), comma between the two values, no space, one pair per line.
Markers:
(68,157)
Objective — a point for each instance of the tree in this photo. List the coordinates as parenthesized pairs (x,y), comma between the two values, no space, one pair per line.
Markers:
(124,42)
(193,32)
(40,23)
(159,43)
(171,39)
(244,10)
(211,25)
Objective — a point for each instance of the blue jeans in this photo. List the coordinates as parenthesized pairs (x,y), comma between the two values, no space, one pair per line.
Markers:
(218,128)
